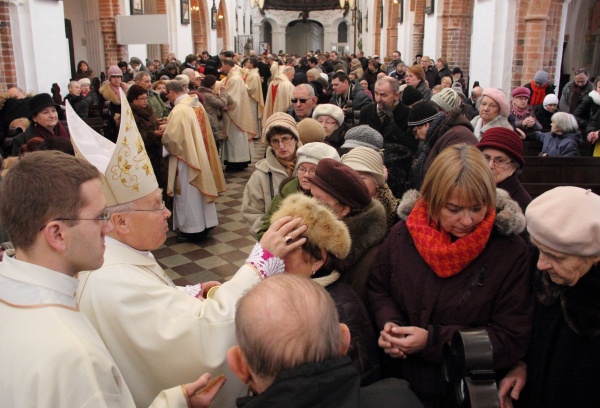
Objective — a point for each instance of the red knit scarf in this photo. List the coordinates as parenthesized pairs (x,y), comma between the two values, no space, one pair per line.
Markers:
(538,93)
(445,257)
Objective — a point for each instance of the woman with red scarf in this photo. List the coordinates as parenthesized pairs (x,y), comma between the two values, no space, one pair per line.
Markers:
(454,262)
(539,87)
(44,122)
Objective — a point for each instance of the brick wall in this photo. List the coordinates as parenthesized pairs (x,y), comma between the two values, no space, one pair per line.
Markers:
(8,73)
(457,26)
(377,30)
(161,8)
(113,52)
(392,30)
(418,7)
(199,27)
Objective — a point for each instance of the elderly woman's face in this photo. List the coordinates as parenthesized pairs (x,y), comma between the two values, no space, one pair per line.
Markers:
(488,109)
(329,124)
(563,269)
(47,117)
(500,164)
(520,102)
(460,217)
(324,197)
(284,146)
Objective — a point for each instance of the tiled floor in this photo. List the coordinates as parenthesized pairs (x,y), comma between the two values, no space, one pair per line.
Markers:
(227,245)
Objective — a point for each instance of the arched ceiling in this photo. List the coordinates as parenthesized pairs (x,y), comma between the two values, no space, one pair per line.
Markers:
(302,5)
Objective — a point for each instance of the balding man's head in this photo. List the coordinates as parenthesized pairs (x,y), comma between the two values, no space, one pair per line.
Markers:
(303,326)
(476,93)
(16,93)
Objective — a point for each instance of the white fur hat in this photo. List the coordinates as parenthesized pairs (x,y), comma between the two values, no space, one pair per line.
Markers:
(329,109)
(313,152)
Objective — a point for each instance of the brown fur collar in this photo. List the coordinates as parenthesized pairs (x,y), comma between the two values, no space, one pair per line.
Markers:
(367,228)
(580,303)
(509,216)
(109,94)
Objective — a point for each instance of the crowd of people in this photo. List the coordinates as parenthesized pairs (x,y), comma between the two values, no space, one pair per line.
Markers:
(388,215)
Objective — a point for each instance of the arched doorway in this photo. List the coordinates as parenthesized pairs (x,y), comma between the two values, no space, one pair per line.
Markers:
(300,37)
(267,37)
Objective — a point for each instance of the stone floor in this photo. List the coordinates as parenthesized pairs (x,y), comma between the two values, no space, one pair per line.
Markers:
(227,245)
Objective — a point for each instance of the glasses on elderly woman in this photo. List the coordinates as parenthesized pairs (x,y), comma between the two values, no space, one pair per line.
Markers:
(302,170)
(285,140)
(499,162)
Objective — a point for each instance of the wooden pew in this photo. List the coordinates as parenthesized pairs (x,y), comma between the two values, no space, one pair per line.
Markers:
(536,189)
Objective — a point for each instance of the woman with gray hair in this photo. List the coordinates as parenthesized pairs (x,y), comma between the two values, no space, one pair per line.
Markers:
(561,367)
(564,136)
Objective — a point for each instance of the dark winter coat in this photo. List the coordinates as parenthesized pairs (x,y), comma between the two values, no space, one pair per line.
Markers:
(455,129)
(425,91)
(564,356)
(586,110)
(336,138)
(356,101)
(515,189)
(363,350)
(572,95)
(393,131)
(492,291)
(544,117)
(560,145)
(367,230)
(432,77)
(147,124)
(330,384)
(594,124)
(79,105)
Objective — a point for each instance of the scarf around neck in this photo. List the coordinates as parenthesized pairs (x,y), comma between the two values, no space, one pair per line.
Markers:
(538,93)
(521,113)
(58,131)
(446,257)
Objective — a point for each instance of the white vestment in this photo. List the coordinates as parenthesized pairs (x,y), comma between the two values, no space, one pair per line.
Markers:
(192,218)
(158,335)
(50,355)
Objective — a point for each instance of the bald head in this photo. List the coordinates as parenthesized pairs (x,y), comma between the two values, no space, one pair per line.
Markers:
(476,93)
(301,319)
(16,93)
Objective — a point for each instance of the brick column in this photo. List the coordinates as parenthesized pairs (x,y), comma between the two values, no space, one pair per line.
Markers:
(457,27)
(392,28)
(377,30)
(8,73)
(113,52)
(418,7)
(199,27)
(161,8)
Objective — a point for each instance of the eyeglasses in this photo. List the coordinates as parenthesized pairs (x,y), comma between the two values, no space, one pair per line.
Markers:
(142,98)
(285,140)
(162,207)
(102,217)
(302,170)
(499,162)
(302,100)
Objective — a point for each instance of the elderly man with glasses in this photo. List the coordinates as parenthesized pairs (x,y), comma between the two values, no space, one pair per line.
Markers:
(303,101)
(159,333)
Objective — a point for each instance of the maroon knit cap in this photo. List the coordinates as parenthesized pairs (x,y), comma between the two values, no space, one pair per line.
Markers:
(505,140)
(342,183)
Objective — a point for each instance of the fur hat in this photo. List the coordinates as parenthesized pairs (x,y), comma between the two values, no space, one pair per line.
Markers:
(310,130)
(566,219)
(314,152)
(541,77)
(39,102)
(421,113)
(329,109)
(499,96)
(550,99)
(411,95)
(521,91)
(342,183)
(367,160)
(446,99)
(363,135)
(114,71)
(84,81)
(505,140)
(325,230)
(280,119)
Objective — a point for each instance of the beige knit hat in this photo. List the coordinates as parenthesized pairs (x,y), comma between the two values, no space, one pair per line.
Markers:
(313,152)
(280,119)
(325,230)
(310,131)
(84,81)
(367,160)
(566,219)
(183,78)
(329,109)
(446,99)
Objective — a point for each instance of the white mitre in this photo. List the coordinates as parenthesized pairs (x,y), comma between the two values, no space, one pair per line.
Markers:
(127,173)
